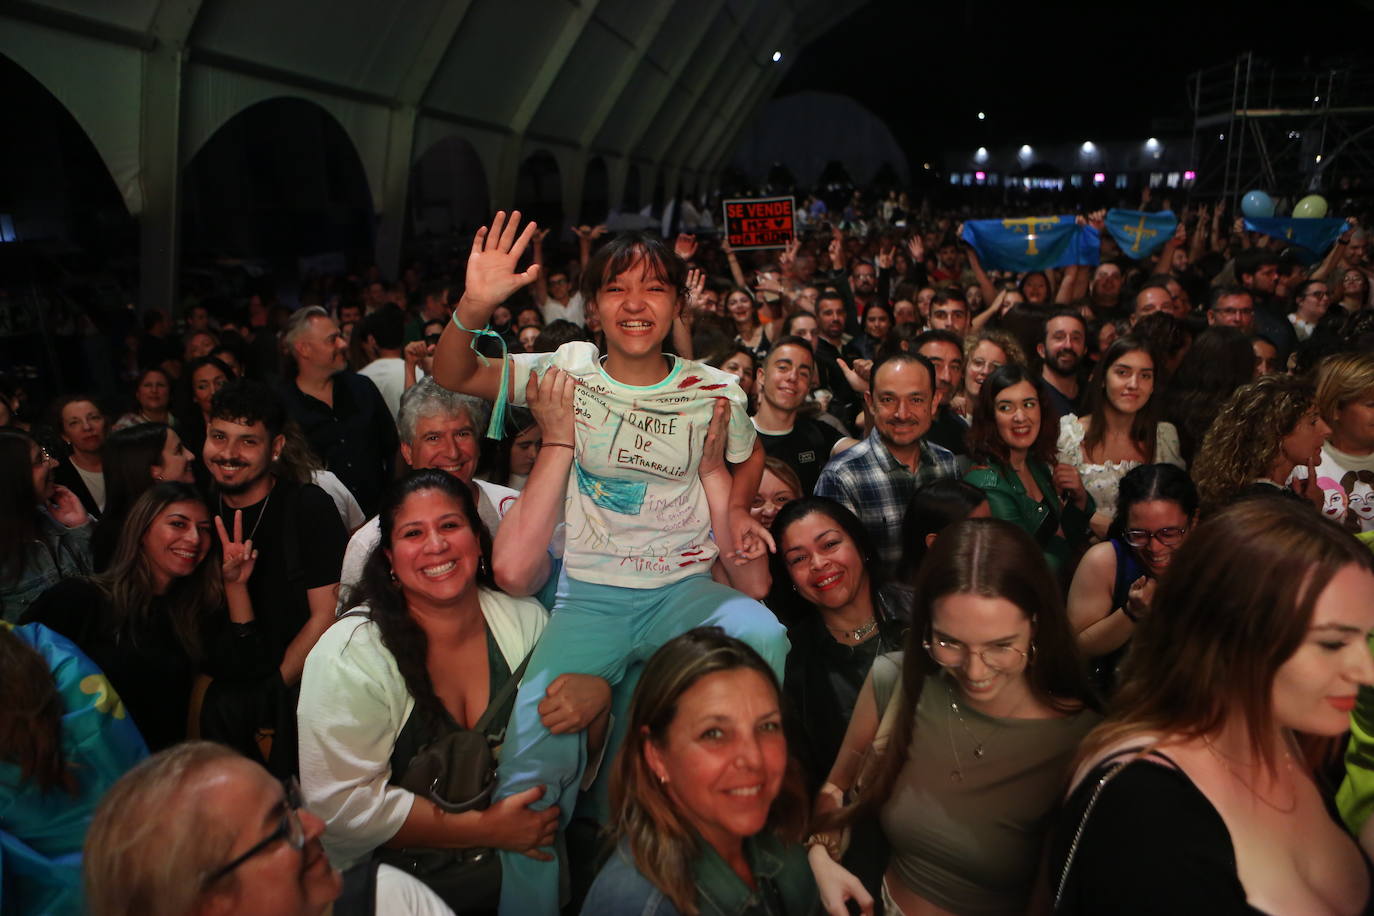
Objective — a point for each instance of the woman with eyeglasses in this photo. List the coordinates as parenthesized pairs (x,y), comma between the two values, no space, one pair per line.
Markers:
(1013,450)
(200,829)
(1196,796)
(984,354)
(1118,429)
(45,531)
(1114,584)
(972,731)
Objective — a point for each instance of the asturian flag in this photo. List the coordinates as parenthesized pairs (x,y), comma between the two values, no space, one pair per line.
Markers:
(1032,242)
(1316,235)
(1141,234)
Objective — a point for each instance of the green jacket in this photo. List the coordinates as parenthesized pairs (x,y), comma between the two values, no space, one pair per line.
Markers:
(1355,798)
(1008,500)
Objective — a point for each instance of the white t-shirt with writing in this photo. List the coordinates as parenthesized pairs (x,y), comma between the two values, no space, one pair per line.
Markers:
(636,512)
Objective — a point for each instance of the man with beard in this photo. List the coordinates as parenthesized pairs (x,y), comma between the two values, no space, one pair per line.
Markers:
(784,381)
(832,347)
(299,540)
(1061,353)
(876,478)
(945,350)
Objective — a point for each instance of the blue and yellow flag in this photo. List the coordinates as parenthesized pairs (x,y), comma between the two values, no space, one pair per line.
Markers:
(1031,242)
(1141,234)
(1316,235)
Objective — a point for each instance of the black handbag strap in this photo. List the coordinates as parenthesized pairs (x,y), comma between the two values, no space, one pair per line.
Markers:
(499,700)
(495,704)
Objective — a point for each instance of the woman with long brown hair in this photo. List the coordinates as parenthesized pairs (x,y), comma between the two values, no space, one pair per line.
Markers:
(1194,796)
(974,726)
(1119,429)
(155,616)
(708,809)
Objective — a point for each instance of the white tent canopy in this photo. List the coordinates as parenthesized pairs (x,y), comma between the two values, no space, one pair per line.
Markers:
(665,85)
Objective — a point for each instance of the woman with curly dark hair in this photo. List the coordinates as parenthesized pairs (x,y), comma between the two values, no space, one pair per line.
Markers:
(427,644)
(1264,431)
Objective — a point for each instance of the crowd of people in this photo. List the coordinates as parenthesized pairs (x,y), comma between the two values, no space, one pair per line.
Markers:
(648,576)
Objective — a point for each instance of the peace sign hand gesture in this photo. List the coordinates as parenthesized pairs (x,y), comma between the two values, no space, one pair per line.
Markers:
(238,555)
(491,274)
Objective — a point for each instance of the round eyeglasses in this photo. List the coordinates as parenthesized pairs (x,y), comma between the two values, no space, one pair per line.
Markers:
(950,654)
(1169,537)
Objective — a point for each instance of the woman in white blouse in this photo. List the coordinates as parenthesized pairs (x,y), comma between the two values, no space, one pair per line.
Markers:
(1118,430)
(428,644)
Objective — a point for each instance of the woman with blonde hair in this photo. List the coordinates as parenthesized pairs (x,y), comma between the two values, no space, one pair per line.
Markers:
(1345,400)
(984,353)
(708,808)
(1194,796)
(1265,431)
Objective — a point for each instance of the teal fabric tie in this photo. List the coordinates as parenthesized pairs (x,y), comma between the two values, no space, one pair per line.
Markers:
(496,429)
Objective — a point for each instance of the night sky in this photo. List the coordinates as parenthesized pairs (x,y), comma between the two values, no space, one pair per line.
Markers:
(1057,72)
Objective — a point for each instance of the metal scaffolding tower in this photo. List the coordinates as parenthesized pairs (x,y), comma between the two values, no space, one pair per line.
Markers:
(1289,131)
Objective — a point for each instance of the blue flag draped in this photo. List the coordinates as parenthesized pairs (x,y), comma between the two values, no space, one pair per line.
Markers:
(1141,234)
(1316,235)
(1031,243)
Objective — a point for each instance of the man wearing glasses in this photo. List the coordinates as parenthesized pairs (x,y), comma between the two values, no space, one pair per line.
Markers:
(197,828)
(1233,307)
(1313,299)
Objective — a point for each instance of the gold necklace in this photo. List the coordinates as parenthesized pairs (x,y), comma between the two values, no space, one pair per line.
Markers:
(858,633)
(979,747)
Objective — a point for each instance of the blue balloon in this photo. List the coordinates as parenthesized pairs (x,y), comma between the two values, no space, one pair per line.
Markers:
(1257,205)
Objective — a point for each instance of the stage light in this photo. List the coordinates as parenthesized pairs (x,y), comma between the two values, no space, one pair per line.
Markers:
(1189,175)
(1099,177)
(982,116)
(777,56)
(1152,143)
(981,176)
(1088,148)
(981,155)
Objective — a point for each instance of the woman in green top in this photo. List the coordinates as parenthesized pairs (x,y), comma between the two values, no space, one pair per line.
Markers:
(1013,451)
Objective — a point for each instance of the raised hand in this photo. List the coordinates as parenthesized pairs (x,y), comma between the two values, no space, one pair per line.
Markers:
(66,509)
(917,247)
(851,375)
(685,246)
(752,540)
(599,231)
(491,273)
(539,236)
(237,554)
(696,283)
(787,258)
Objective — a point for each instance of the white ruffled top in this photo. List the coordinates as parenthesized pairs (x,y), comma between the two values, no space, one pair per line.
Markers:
(1103,480)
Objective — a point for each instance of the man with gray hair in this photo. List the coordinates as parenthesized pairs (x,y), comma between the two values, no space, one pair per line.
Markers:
(342,413)
(439,429)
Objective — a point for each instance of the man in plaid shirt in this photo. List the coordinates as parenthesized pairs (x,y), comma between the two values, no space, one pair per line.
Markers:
(876,478)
